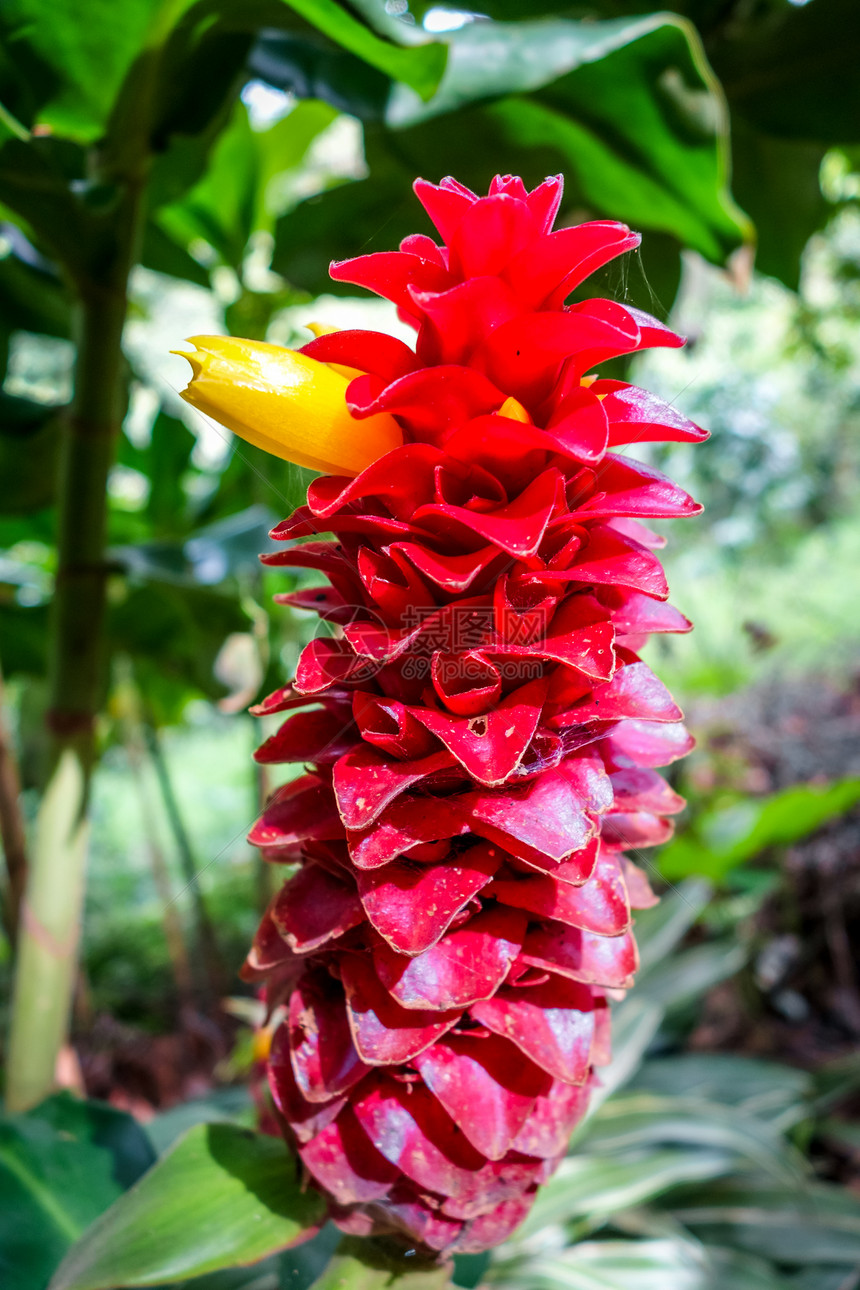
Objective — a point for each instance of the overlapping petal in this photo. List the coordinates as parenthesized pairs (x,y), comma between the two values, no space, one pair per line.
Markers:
(480,736)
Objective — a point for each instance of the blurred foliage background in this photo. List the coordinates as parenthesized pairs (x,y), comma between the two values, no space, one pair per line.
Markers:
(176,167)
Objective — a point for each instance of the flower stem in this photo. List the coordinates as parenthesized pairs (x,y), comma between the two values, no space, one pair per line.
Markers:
(378,1265)
(51,911)
(11,828)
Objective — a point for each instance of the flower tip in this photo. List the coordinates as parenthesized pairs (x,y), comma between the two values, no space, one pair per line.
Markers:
(196,358)
(287,403)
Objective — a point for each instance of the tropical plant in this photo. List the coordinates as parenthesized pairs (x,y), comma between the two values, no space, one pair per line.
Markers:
(137,174)
(687,1172)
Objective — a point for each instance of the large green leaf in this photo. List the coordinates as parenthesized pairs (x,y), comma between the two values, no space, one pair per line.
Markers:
(679,981)
(174,633)
(630,105)
(724,838)
(641,1121)
(246,181)
(760,1088)
(79,53)
(663,1264)
(814,1224)
(788,66)
(29,448)
(37,180)
(32,298)
(60,1167)
(587,1186)
(628,109)
(661,929)
(788,73)
(162,253)
(419,65)
(133,78)
(221,1196)
(76,52)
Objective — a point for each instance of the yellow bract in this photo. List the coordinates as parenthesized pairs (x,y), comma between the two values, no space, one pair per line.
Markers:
(285,403)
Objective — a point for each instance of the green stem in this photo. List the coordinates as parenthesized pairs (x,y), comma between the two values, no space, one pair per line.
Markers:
(51,913)
(207,943)
(361,1264)
(126,700)
(12,832)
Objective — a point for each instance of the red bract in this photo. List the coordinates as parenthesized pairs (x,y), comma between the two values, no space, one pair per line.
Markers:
(479,733)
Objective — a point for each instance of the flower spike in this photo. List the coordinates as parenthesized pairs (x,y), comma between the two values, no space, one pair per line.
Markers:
(479,734)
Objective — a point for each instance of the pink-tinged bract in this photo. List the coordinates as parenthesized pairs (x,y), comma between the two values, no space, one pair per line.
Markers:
(480,737)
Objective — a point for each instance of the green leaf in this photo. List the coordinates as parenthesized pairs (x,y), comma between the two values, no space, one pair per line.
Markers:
(61,1166)
(628,109)
(644,1265)
(77,51)
(682,979)
(81,52)
(23,636)
(36,178)
(418,65)
(813,1224)
(29,450)
(167,457)
(247,181)
(162,253)
(725,838)
(640,1121)
(311,69)
(588,1186)
(635,1022)
(194,67)
(114,1132)
(33,299)
(630,105)
(660,929)
(758,1087)
(221,1196)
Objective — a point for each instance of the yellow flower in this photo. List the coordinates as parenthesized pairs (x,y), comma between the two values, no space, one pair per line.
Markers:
(285,403)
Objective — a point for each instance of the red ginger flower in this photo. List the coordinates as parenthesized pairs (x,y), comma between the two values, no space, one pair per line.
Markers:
(480,733)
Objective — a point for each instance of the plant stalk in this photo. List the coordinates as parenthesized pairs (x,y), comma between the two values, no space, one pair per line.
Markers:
(375,1264)
(207,942)
(12,832)
(52,908)
(127,700)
